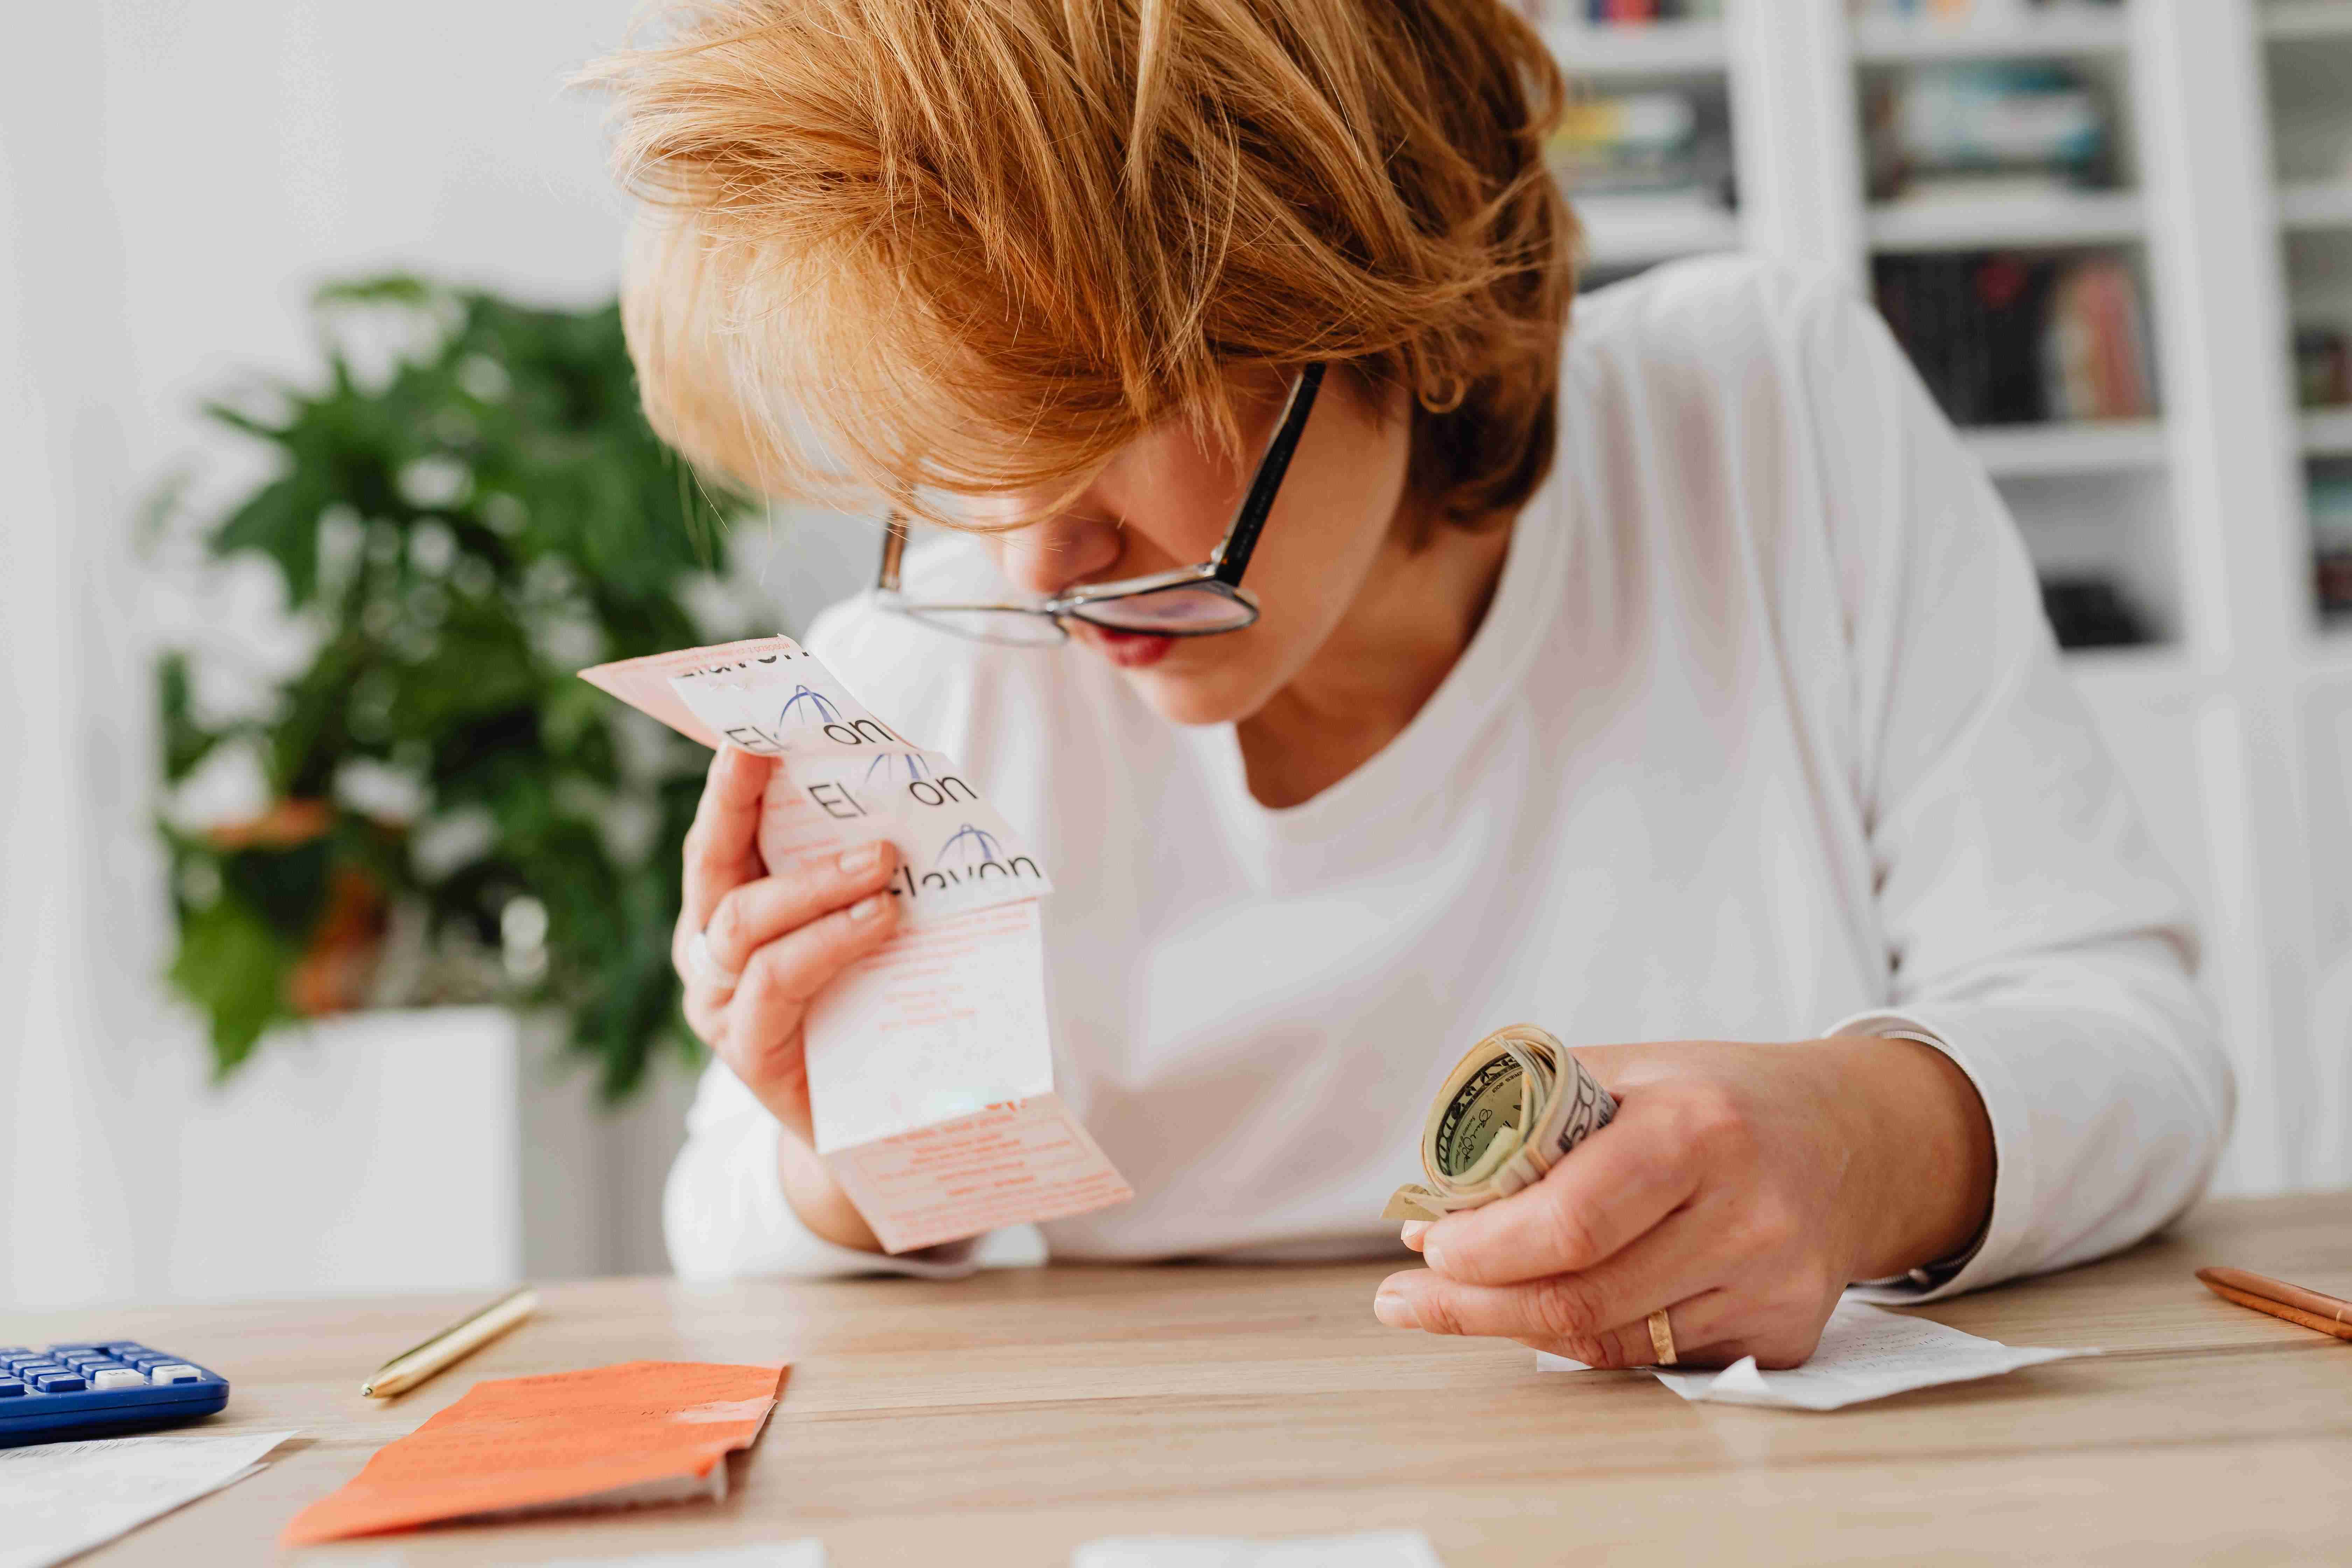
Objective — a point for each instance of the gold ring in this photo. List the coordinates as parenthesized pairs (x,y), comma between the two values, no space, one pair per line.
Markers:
(1662,1338)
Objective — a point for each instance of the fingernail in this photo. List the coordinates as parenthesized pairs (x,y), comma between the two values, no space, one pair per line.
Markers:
(1392,1309)
(867,908)
(1412,1230)
(864,857)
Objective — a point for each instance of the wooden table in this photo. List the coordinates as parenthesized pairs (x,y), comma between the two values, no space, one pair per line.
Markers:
(1006,1418)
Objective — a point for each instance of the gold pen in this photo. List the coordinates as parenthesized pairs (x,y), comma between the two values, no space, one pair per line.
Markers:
(454,1343)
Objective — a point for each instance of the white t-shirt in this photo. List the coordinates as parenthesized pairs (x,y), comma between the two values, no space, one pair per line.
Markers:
(1763,738)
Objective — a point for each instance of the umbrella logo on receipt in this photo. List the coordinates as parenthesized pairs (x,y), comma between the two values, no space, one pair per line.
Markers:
(807,707)
(968,846)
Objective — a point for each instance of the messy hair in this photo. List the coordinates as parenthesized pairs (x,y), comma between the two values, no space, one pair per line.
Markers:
(901,248)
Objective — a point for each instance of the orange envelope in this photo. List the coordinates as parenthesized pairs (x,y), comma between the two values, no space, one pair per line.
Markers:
(644,1431)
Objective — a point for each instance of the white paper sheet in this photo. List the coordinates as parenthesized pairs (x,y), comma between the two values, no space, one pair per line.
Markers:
(1865,1354)
(60,1500)
(1377,1549)
(930,1062)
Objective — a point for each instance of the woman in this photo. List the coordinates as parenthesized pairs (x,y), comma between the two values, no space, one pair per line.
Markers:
(1674,681)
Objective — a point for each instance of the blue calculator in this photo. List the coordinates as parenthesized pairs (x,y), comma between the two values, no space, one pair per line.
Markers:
(93,1390)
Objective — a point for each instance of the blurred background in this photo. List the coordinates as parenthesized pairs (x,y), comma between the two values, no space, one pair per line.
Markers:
(335,911)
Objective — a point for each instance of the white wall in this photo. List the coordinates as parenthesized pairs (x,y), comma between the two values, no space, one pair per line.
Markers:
(173,179)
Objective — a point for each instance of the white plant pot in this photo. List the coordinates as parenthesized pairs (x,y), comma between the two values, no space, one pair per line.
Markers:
(376,1152)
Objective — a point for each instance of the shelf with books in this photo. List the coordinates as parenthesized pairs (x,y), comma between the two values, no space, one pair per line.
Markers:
(2102,543)
(2043,359)
(1895,40)
(1617,51)
(2028,217)
(2139,137)
(1648,164)
(2077,446)
(2328,511)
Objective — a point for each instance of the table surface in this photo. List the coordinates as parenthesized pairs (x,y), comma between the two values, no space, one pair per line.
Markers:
(1006,1418)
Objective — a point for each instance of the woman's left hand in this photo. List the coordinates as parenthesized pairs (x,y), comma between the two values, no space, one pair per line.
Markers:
(1740,1187)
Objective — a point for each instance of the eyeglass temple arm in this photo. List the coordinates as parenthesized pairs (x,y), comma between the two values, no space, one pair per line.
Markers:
(894,550)
(1233,556)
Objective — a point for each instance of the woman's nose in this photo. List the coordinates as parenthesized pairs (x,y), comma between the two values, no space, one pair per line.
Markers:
(1047,557)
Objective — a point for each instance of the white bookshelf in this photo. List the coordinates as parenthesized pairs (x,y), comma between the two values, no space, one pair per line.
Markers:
(2235,214)
(2063,35)
(2030,220)
(2066,451)
(2293,20)
(1653,50)
(1625,232)
(2317,205)
(2326,432)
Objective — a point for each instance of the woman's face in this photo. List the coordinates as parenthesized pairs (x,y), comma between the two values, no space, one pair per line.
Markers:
(1165,501)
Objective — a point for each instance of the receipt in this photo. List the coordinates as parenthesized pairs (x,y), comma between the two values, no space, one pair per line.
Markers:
(1376,1549)
(1865,1354)
(931,1061)
(60,1500)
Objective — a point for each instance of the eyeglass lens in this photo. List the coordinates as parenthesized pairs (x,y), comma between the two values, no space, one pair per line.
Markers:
(1017,627)
(1177,611)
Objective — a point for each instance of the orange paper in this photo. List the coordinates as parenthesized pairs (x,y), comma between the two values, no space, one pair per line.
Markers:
(645,1431)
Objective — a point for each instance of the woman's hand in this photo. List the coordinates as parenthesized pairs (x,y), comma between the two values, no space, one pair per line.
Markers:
(754,949)
(1740,1187)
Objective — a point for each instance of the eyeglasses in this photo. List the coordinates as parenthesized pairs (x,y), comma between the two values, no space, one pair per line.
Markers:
(1190,602)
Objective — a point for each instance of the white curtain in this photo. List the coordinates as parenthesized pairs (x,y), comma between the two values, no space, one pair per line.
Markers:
(69,950)
(173,178)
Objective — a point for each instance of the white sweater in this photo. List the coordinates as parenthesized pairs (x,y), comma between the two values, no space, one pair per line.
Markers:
(1764,737)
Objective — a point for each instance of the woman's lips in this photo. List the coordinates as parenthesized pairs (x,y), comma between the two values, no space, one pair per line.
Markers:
(1129,650)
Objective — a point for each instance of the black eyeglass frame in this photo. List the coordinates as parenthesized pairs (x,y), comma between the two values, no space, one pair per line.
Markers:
(1221,573)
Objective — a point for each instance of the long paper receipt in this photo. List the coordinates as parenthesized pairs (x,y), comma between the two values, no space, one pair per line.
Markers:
(1865,1353)
(60,1500)
(930,1063)
(614,1437)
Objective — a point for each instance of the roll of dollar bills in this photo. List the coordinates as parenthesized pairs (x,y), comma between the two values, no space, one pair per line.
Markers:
(1509,1111)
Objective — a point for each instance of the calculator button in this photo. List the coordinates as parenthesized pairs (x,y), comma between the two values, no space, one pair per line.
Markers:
(117,1377)
(10,1388)
(175,1372)
(60,1382)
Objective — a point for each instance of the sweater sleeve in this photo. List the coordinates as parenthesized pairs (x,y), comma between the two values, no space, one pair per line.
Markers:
(724,1212)
(2034,933)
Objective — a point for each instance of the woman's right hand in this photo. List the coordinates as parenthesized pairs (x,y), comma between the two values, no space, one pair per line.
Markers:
(768,945)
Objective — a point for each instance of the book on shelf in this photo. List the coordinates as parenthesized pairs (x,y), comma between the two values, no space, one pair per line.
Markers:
(2328,496)
(2007,339)
(1622,13)
(2323,367)
(2089,610)
(1664,139)
(1982,13)
(2034,125)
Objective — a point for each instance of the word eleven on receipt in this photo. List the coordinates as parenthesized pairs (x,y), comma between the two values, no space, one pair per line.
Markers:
(930,1062)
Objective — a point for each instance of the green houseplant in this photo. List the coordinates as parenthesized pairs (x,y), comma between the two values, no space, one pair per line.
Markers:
(453,816)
